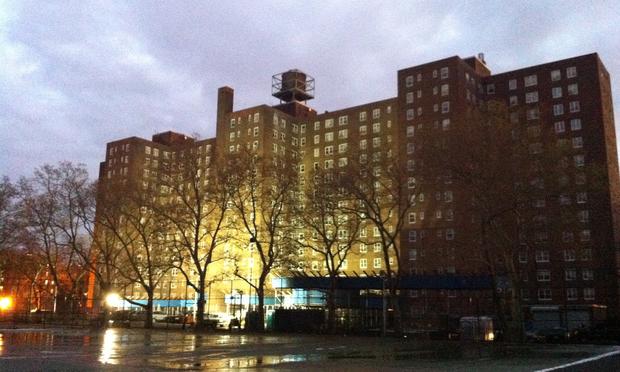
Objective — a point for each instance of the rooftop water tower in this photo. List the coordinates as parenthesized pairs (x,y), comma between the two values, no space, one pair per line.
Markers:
(292,86)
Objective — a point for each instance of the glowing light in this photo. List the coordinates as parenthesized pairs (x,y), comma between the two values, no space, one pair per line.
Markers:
(113,300)
(5,303)
(490,336)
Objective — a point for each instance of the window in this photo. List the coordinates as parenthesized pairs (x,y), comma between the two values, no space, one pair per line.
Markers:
(575,124)
(376,263)
(558,109)
(256,117)
(530,80)
(363,263)
(411,182)
(329,136)
(329,150)
(556,75)
(570,274)
(543,275)
(317,153)
(410,148)
(577,142)
(363,248)
(490,88)
(531,97)
(571,294)
(409,98)
(556,92)
(449,234)
(574,106)
(376,127)
(342,148)
(588,293)
(363,130)
(587,274)
(513,100)
(376,113)
(559,126)
(412,218)
(413,236)
(329,123)
(329,164)
(376,142)
(343,120)
(512,84)
(533,114)
(419,77)
(445,107)
(445,124)
(409,81)
(444,72)
(363,144)
(583,216)
(362,116)
(569,254)
(523,256)
(544,294)
(447,195)
(582,197)
(147,150)
(571,72)
(542,256)
(586,254)
(317,139)
(410,131)
(573,89)
(445,89)
(579,160)
(342,162)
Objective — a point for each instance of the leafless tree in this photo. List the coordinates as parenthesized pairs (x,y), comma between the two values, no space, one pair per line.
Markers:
(193,204)
(262,193)
(331,230)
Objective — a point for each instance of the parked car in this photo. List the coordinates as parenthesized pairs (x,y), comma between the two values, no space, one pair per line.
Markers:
(159,316)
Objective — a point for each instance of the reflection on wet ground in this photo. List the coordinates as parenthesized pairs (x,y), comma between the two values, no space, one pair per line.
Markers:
(135,349)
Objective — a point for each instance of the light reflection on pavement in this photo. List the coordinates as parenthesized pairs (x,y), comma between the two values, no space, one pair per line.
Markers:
(138,349)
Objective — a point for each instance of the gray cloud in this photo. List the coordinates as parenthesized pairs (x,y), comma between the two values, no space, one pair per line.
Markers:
(78,74)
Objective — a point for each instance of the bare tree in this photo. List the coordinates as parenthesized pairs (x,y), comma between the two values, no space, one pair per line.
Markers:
(54,228)
(262,193)
(332,230)
(8,218)
(141,234)
(381,197)
(194,201)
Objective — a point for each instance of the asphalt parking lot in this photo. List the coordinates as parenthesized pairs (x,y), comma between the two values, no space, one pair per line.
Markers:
(138,349)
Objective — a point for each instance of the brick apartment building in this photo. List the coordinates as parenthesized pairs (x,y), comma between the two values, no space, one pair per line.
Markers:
(566,102)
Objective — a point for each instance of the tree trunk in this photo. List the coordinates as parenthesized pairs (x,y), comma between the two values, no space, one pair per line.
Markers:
(148,322)
(200,306)
(260,292)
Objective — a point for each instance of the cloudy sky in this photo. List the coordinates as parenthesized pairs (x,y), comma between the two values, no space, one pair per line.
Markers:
(77,74)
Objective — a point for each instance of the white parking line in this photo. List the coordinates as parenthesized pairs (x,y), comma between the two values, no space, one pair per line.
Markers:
(581,361)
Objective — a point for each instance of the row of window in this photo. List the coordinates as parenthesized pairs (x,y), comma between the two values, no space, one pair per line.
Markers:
(572,294)
(569,275)
(442,73)
(411,113)
(447,234)
(532,80)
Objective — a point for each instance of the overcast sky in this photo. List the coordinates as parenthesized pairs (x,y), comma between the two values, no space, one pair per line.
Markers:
(75,75)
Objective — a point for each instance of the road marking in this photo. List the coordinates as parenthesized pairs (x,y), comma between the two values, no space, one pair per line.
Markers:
(581,361)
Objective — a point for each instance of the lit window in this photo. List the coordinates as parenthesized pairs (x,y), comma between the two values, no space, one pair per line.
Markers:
(409,98)
(558,109)
(577,142)
(412,217)
(571,72)
(363,263)
(376,263)
(256,117)
(556,75)
(445,89)
(376,127)
(410,131)
(329,136)
(363,116)
(559,127)
(556,92)
(376,113)
(343,120)
(329,123)
(445,124)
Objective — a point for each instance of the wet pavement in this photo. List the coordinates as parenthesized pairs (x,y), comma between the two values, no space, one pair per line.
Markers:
(136,349)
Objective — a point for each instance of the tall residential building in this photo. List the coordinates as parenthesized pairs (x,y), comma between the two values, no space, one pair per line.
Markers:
(567,102)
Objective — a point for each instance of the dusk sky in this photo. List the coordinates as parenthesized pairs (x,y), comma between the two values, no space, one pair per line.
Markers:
(75,75)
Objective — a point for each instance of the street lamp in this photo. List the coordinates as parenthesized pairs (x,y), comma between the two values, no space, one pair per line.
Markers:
(113,300)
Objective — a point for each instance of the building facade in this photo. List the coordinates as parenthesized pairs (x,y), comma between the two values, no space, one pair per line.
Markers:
(566,103)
